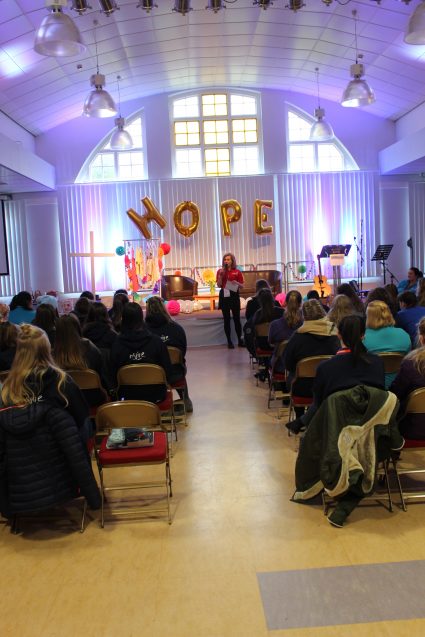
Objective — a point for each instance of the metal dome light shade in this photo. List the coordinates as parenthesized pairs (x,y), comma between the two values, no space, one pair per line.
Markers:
(415,32)
(321,131)
(120,139)
(358,91)
(98,102)
(57,35)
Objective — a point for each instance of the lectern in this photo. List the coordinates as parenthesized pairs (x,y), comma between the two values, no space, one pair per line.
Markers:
(336,253)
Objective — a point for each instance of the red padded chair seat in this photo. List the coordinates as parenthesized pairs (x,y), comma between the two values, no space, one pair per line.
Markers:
(280,377)
(179,384)
(167,403)
(156,453)
(410,443)
(263,352)
(301,401)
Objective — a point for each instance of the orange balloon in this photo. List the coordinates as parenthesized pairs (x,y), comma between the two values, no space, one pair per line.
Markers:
(228,219)
(152,214)
(186,206)
(261,217)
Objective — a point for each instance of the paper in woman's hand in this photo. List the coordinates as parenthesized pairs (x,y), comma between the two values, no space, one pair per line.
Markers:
(232,286)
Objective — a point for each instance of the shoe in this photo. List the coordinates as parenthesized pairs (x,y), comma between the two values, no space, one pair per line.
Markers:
(337,523)
(295,426)
(230,346)
(241,343)
(189,406)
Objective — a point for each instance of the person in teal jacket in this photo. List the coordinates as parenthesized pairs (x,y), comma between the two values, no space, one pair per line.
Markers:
(411,283)
(381,334)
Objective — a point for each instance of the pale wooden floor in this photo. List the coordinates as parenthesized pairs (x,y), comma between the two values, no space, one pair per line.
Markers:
(233,478)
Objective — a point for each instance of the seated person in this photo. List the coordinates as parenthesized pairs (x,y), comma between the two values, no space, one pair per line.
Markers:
(81,309)
(136,345)
(72,351)
(382,335)
(348,290)
(45,318)
(411,376)
(253,304)
(21,309)
(159,322)
(410,314)
(314,294)
(282,328)
(316,337)
(4,313)
(353,365)
(341,306)
(411,283)
(268,311)
(8,339)
(49,464)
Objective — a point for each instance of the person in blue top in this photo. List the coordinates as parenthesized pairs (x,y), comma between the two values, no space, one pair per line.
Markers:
(21,309)
(410,314)
(411,283)
(381,334)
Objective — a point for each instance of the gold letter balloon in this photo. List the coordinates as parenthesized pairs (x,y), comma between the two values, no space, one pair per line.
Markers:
(152,214)
(228,219)
(186,206)
(260,217)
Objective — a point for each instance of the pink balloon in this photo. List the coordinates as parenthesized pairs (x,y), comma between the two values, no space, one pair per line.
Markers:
(173,307)
(281,297)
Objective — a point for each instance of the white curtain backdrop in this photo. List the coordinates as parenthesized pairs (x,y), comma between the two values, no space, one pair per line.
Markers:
(309,210)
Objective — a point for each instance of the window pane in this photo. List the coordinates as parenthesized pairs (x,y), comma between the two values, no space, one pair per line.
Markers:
(102,168)
(186,107)
(214,105)
(243,105)
(216,132)
(217,161)
(244,130)
(182,136)
(298,128)
(135,131)
(130,165)
(245,160)
(301,158)
(188,163)
(329,158)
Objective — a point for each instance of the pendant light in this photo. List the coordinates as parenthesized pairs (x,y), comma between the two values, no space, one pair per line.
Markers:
(415,32)
(98,102)
(121,139)
(57,35)
(146,5)
(321,131)
(358,91)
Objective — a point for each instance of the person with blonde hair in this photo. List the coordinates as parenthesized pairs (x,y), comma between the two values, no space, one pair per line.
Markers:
(317,336)
(381,334)
(35,377)
(42,449)
(341,306)
(411,376)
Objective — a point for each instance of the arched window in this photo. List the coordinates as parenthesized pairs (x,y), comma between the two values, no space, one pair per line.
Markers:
(105,164)
(216,133)
(308,156)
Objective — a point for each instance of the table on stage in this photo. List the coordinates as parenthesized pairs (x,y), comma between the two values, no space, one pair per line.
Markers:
(212,298)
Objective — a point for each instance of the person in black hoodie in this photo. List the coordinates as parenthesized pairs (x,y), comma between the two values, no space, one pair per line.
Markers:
(98,327)
(159,322)
(43,460)
(136,345)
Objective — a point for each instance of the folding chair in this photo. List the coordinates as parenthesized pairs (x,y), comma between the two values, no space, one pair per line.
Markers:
(392,361)
(412,460)
(261,354)
(277,377)
(306,368)
(90,384)
(134,382)
(134,413)
(176,358)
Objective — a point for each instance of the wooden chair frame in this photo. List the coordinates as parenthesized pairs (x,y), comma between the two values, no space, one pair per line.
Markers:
(133,413)
(392,361)
(176,358)
(306,368)
(277,377)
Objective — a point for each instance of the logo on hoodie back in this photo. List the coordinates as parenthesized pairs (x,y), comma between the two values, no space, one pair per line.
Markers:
(137,356)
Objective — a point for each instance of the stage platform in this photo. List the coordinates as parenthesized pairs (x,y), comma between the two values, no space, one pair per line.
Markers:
(205,328)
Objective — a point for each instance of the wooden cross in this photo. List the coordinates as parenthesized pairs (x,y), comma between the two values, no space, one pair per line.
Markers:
(92,254)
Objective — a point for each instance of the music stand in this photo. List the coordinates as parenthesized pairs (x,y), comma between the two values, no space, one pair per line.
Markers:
(382,253)
(330,251)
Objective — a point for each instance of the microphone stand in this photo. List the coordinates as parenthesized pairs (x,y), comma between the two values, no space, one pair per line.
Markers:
(360,260)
